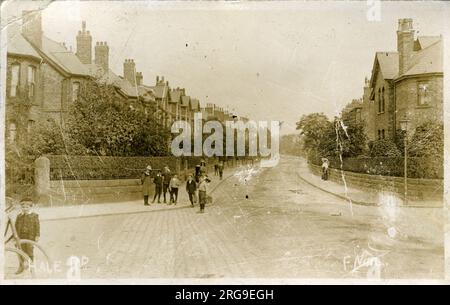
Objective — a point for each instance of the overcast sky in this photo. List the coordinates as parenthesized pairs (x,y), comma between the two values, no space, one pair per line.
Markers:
(268,61)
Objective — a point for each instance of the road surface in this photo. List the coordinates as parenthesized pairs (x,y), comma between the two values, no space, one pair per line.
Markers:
(264,223)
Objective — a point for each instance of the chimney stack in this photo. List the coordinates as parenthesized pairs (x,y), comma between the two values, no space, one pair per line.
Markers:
(102,55)
(139,78)
(84,45)
(129,71)
(405,44)
(32,27)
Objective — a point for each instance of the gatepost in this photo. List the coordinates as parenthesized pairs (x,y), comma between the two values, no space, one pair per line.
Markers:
(42,180)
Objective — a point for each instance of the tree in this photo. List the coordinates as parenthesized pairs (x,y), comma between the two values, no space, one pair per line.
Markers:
(353,138)
(315,129)
(107,125)
(427,141)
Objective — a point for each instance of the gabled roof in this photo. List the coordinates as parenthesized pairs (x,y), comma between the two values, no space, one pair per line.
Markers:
(161,90)
(426,41)
(64,58)
(195,104)
(17,44)
(388,62)
(175,96)
(119,82)
(427,60)
(185,100)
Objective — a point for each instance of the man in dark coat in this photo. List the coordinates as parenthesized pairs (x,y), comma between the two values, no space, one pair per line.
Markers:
(191,188)
(146,184)
(167,175)
(27,227)
(158,181)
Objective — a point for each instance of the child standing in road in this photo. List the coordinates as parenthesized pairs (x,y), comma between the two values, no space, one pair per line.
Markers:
(27,227)
(202,192)
(173,189)
(191,188)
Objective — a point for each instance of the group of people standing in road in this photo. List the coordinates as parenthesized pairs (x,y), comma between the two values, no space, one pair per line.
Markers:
(165,182)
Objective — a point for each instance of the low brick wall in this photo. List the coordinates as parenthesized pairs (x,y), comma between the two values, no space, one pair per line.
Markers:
(66,190)
(70,192)
(418,189)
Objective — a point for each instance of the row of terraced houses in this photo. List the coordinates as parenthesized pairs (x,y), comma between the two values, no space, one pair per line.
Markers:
(45,76)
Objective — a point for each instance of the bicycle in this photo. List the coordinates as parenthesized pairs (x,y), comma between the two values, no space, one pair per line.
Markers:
(17,243)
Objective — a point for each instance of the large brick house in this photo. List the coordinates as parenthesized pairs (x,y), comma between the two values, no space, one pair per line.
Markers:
(406,84)
(45,76)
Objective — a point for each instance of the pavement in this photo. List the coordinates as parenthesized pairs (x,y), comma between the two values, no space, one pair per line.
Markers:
(356,196)
(264,223)
(127,207)
(359,196)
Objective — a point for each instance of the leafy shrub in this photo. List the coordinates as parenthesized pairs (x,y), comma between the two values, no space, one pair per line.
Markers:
(383,148)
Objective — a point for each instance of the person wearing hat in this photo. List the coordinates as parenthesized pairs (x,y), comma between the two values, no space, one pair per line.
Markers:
(325,165)
(27,226)
(202,192)
(146,184)
(158,181)
(203,169)
(191,188)
(167,175)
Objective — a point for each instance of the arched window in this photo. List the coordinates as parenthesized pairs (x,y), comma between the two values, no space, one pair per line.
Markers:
(382,100)
(379,100)
(12,132)
(383,135)
(30,125)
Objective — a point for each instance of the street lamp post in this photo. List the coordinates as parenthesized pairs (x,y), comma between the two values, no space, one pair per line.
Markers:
(404,126)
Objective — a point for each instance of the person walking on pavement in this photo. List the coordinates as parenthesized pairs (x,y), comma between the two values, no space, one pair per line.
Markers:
(216,168)
(221,170)
(325,166)
(166,181)
(191,188)
(146,181)
(173,189)
(203,192)
(203,169)
(158,181)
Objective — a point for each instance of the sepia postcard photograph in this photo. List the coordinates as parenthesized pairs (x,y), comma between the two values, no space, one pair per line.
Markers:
(224,142)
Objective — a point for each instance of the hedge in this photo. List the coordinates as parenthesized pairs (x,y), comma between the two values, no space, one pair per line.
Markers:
(430,168)
(104,168)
